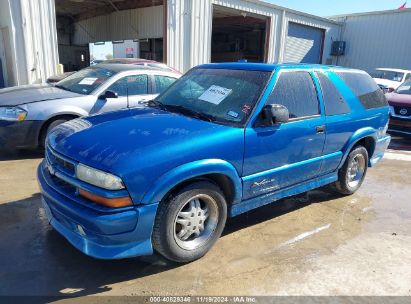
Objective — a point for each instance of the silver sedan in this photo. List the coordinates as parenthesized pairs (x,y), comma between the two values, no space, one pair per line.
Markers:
(28,113)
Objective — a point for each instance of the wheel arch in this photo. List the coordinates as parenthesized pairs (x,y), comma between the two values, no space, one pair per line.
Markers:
(366,137)
(219,172)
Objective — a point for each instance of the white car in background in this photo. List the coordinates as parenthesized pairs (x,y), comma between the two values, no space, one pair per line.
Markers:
(390,79)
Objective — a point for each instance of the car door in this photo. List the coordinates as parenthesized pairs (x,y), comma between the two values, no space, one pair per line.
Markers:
(284,155)
(131,90)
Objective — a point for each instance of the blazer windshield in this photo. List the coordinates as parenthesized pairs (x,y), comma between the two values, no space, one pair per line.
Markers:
(226,96)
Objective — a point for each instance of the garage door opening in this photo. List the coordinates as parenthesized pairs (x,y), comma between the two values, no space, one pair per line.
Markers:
(89,31)
(304,44)
(237,35)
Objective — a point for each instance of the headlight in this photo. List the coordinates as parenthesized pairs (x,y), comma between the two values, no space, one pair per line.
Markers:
(12,114)
(98,178)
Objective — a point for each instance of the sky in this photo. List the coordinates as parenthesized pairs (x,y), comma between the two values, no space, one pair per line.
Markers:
(339,7)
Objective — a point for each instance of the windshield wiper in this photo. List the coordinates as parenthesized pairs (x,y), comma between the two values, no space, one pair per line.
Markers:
(153,104)
(189,112)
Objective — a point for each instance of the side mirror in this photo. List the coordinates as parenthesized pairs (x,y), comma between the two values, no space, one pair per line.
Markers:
(109,94)
(275,114)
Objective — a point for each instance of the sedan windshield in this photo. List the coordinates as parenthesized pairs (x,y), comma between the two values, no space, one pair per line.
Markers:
(85,81)
(220,95)
(405,88)
(388,75)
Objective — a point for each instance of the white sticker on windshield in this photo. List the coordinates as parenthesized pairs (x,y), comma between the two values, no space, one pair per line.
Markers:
(215,94)
(88,81)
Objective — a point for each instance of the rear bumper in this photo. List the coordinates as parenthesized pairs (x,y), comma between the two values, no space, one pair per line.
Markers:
(380,146)
(102,235)
(20,134)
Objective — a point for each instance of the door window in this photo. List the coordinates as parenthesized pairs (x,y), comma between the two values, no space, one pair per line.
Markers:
(133,85)
(333,101)
(296,91)
(162,83)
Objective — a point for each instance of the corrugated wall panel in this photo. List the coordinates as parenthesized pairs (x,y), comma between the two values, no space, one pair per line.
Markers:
(179,34)
(35,39)
(201,27)
(378,40)
(128,24)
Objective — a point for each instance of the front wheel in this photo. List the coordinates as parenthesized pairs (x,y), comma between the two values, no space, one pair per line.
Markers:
(352,173)
(189,222)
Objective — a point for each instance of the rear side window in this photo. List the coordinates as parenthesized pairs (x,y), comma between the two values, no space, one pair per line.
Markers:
(333,100)
(162,83)
(130,85)
(365,88)
(296,91)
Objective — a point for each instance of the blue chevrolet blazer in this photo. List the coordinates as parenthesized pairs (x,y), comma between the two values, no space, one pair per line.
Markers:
(222,140)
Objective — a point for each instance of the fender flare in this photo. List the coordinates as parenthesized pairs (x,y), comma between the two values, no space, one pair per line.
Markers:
(357,136)
(189,171)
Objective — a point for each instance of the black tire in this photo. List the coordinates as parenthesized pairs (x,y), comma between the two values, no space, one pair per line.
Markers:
(166,240)
(50,126)
(344,185)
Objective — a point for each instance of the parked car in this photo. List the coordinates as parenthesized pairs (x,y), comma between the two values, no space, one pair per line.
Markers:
(28,113)
(224,139)
(400,105)
(135,61)
(390,79)
(140,61)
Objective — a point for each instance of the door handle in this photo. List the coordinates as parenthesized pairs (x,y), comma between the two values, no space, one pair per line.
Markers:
(320,129)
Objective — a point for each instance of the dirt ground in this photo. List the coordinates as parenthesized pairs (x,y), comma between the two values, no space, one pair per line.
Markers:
(313,244)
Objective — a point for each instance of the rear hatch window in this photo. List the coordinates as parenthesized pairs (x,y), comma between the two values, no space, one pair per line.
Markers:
(365,88)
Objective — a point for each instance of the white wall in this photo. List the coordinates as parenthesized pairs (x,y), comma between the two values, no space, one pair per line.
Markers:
(33,39)
(380,39)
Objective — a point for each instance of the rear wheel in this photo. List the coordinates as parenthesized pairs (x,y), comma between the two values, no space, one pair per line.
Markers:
(189,223)
(352,173)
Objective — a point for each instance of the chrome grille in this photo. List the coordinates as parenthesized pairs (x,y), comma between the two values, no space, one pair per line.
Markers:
(60,163)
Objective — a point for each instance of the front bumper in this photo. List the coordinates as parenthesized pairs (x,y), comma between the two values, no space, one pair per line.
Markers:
(400,126)
(20,134)
(380,146)
(99,234)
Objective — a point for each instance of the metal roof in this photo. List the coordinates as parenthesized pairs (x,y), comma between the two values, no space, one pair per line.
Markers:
(394,11)
(393,70)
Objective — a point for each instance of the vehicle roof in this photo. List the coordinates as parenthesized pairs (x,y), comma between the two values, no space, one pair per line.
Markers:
(393,70)
(122,67)
(269,67)
(129,60)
